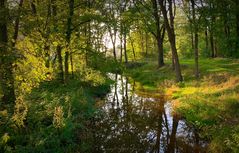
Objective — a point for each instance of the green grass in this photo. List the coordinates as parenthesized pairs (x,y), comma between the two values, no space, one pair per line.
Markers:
(57,117)
(210,104)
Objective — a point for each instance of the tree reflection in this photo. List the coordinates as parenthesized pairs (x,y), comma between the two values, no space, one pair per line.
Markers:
(172,141)
(133,123)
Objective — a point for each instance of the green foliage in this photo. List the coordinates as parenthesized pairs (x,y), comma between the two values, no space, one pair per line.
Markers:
(31,69)
(52,116)
(56,116)
(20,112)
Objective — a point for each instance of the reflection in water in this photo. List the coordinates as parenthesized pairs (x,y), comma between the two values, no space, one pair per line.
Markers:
(130,123)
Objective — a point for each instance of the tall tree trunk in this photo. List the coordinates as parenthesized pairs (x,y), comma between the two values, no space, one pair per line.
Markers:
(68,37)
(16,26)
(160,52)
(215,48)
(114,51)
(132,45)
(206,41)
(6,59)
(237,29)
(211,30)
(171,36)
(227,30)
(60,72)
(66,66)
(192,41)
(212,44)
(121,48)
(196,56)
(195,38)
(158,34)
(72,66)
(125,48)
(113,41)
(173,63)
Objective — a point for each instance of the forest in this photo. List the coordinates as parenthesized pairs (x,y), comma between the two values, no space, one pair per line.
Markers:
(119,76)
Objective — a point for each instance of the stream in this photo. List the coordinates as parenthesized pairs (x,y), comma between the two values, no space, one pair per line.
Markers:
(127,122)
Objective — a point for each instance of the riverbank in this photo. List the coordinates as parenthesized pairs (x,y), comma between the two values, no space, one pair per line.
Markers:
(210,103)
(55,117)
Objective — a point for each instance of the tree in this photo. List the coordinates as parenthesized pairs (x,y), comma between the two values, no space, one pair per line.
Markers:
(151,18)
(194,24)
(60,71)
(68,37)
(169,24)
(6,57)
(160,30)
(195,27)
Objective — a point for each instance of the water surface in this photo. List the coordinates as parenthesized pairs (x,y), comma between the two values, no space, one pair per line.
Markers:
(128,122)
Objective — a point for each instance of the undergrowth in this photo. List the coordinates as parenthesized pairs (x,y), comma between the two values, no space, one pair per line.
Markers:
(56,118)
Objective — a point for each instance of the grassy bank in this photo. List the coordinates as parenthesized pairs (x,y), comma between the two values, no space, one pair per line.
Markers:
(210,104)
(55,118)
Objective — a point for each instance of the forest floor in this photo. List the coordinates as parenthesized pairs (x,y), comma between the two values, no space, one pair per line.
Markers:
(211,104)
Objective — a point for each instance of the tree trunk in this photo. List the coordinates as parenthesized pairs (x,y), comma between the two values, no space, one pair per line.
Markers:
(16,26)
(121,43)
(68,38)
(72,66)
(60,71)
(158,34)
(196,56)
(60,65)
(192,42)
(215,48)
(171,36)
(47,56)
(212,45)
(113,41)
(195,38)
(211,30)
(172,143)
(173,63)
(160,52)
(114,51)
(125,49)
(33,7)
(206,41)
(132,45)
(237,30)
(6,59)
(159,128)
(121,48)
(66,66)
